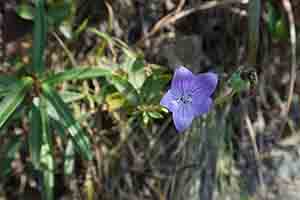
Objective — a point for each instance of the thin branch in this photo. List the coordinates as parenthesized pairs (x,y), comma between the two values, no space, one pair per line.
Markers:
(65,48)
(172,17)
(288,8)
(256,152)
(292,29)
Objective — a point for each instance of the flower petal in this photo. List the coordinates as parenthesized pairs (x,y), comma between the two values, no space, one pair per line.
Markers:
(205,84)
(201,105)
(169,101)
(183,117)
(182,80)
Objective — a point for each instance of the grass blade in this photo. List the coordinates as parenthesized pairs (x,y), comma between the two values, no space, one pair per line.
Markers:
(39,37)
(79,138)
(77,74)
(9,104)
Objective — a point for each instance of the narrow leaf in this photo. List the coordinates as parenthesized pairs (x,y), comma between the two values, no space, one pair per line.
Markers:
(9,104)
(47,160)
(77,74)
(156,115)
(39,36)
(79,138)
(7,84)
(35,136)
(69,158)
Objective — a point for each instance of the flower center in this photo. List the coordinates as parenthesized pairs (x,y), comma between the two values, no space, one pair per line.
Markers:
(185,99)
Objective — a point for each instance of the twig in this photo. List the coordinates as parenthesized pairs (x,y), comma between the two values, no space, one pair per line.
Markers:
(172,17)
(162,22)
(256,153)
(68,52)
(110,16)
(292,29)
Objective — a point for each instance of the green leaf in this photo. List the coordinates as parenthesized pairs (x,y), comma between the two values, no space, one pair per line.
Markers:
(7,84)
(126,89)
(25,11)
(6,80)
(47,160)
(103,35)
(48,172)
(112,40)
(115,101)
(155,115)
(282,32)
(39,37)
(146,118)
(77,74)
(136,73)
(70,96)
(69,158)
(152,87)
(35,136)
(272,16)
(9,104)
(237,83)
(79,138)
(9,153)
(57,13)
(276,22)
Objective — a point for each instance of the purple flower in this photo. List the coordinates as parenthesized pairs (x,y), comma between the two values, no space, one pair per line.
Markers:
(189,96)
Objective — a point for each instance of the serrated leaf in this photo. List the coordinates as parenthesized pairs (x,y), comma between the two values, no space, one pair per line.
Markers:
(126,89)
(9,104)
(73,127)
(35,135)
(77,74)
